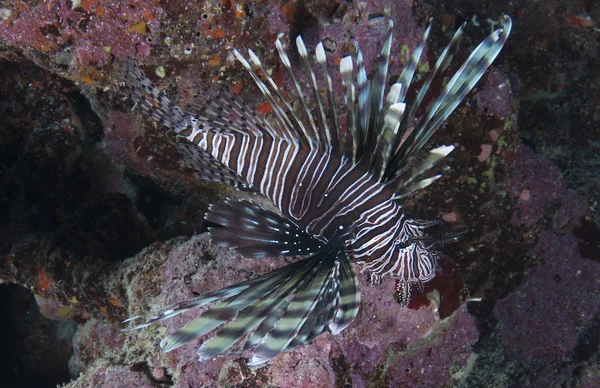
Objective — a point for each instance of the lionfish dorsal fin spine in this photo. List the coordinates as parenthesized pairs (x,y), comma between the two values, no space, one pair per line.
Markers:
(453,93)
(410,175)
(335,134)
(312,136)
(364,100)
(438,70)
(280,105)
(385,138)
(393,95)
(377,91)
(408,72)
(322,127)
(409,189)
(282,121)
(347,72)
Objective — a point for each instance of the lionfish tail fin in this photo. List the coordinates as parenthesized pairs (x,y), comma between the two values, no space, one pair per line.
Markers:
(205,166)
(157,105)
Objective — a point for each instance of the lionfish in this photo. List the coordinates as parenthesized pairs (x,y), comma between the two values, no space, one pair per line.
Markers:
(338,188)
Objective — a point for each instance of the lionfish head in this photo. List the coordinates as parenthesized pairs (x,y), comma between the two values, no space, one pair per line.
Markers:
(409,256)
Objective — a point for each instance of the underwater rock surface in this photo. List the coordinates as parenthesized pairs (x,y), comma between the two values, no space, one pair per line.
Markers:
(383,340)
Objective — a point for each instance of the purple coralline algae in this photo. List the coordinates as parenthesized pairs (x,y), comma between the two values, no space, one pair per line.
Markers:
(548,318)
(543,319)
(494,96)
(88,31)
(538,184)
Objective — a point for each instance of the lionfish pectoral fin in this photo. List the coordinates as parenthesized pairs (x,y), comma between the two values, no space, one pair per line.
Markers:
(253,298)
(255,232)
(327,298)
(275,312)
(348,298)
(181,307)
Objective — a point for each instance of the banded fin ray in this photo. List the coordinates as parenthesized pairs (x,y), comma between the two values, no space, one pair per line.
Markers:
(377,90)
(453,93)
(344,294)
(441,65)
(347,72)
(152,101)
(348,298)
(300,309)
(313,136)
(175,309)
(277,102)
(363,89)
(322,129)
(322,314)
(335,135)
(265,312)
(405,182)
(281,302)
(255,232)
(213,110)
(245,301)
(205,166)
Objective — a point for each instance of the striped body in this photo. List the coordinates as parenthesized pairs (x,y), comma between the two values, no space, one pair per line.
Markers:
(291,175)
(338,191)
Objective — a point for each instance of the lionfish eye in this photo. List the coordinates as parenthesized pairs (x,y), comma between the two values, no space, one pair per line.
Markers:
(404,244)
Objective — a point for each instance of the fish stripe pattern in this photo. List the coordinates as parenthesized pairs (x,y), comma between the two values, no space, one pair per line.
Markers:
(337,186)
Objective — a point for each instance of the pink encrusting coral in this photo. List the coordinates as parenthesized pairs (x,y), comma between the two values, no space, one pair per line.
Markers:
(91,31)
(494,96)
(558,298)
